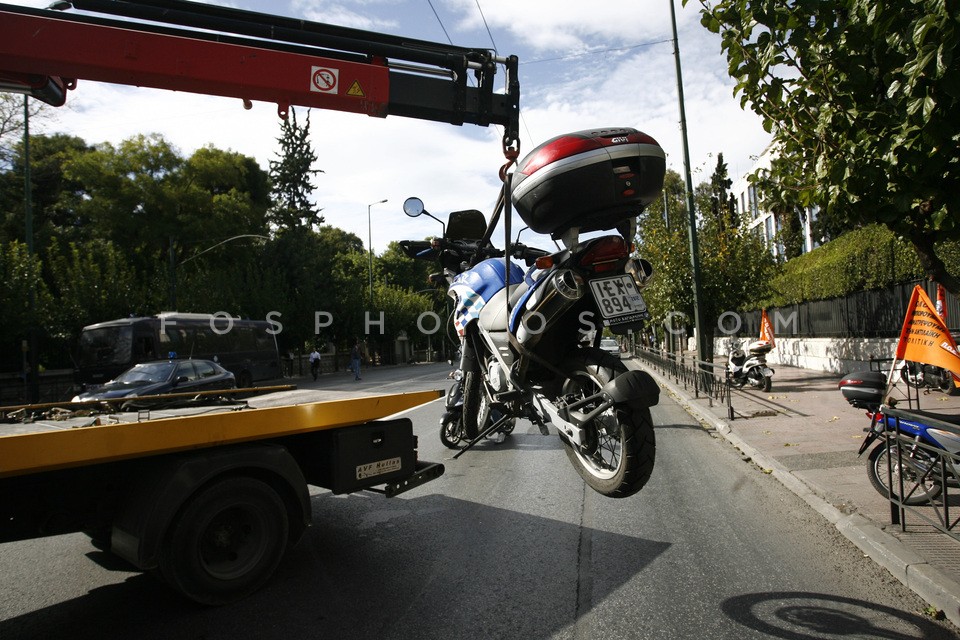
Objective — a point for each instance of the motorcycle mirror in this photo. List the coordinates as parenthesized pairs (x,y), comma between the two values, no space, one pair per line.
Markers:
(413,207)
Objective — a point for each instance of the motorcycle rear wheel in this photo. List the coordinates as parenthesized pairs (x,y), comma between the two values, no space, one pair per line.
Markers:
(622,447)
(946,383)
(877,474)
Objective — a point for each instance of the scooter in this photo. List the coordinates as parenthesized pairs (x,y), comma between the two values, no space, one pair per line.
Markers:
(753,370)
(920,375)
(529,337)
(917,464)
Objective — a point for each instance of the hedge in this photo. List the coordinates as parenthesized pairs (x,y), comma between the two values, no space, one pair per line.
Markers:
(868,258)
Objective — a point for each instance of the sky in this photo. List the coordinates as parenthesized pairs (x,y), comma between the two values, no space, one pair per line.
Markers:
(582,65)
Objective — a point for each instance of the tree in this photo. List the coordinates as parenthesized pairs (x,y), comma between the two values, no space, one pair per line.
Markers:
(292,177)
(865,98)
(12,122)
(55,197)
(775,188)
(723,204)
(735,265)
(19,279)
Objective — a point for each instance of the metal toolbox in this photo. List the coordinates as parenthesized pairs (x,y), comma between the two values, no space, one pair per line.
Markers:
(370,454)
(589,179)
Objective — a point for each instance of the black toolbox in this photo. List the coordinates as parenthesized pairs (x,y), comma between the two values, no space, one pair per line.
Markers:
(590,179)
(864,389)
(369,454)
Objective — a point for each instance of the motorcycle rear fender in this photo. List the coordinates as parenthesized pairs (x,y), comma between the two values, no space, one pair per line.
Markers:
(634,387)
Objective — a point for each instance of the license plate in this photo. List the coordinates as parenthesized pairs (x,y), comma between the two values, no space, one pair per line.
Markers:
(618,298)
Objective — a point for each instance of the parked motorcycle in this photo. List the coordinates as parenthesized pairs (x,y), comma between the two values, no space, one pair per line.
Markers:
(919,375)
(529,337)
(751,367)
(918,464)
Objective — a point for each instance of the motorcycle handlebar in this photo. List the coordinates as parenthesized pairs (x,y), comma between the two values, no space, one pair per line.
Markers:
(452,253)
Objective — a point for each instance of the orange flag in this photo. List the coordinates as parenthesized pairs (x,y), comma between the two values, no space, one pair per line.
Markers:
(924,337)
(942,301)
(766,328)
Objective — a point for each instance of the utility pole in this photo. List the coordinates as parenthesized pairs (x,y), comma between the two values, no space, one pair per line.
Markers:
(32,361)
(694,248)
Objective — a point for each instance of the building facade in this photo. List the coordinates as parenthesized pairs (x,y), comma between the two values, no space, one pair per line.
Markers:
(764,223)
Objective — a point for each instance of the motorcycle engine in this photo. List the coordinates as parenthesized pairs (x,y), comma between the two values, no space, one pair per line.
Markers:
(495,375)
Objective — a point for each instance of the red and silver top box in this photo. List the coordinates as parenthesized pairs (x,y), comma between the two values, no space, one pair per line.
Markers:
(589,179)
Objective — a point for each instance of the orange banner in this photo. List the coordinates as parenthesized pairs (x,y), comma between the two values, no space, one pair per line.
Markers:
(766,328)
(925,337)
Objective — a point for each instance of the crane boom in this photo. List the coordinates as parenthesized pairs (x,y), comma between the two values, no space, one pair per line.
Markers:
(206,49)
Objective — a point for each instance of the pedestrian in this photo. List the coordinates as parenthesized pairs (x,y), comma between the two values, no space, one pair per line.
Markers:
(355,355)
(314,363)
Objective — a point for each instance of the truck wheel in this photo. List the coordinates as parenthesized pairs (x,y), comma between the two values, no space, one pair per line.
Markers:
(226,541)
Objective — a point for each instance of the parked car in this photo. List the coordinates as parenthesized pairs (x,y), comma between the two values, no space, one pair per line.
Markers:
(161,377)
(611,346)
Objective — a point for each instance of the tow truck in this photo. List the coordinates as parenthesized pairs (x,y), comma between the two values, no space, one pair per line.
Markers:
(210,502)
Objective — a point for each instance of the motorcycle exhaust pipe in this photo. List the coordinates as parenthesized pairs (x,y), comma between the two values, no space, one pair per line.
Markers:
(552,298)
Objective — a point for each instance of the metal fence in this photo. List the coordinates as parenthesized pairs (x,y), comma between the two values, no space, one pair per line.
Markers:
(704,378)
(912,465)
(865,314)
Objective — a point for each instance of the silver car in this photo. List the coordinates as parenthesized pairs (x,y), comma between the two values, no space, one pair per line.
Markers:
(611,346)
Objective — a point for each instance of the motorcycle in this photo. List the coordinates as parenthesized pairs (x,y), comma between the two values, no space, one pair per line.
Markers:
(919,376)
(751,367)
(918,464)
(529,337)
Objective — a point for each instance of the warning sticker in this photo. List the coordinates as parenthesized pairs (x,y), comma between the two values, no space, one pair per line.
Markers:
(324,79)
(377,468)
(355,90)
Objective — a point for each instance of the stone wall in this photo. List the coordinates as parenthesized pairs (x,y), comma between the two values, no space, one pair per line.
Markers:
(836,355)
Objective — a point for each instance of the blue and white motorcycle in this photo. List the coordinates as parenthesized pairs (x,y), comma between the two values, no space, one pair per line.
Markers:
(529,349)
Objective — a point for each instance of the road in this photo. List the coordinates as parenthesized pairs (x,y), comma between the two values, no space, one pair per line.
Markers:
(508,544)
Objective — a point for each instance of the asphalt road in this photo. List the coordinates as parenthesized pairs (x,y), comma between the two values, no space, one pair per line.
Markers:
(508,544)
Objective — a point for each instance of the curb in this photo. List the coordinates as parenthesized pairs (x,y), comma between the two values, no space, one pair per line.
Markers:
(928,582)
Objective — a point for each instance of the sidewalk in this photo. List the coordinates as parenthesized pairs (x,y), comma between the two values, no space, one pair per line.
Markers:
(807,436)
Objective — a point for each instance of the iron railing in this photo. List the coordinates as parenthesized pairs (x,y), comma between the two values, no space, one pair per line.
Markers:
(921,463)
(705,378)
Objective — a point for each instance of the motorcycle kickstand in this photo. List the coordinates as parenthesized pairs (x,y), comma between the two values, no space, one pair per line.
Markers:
(483,434)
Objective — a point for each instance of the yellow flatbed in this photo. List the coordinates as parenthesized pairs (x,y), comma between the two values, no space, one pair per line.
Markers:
(49,450)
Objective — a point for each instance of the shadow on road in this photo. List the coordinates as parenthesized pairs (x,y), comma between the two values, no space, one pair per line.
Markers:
(425,567)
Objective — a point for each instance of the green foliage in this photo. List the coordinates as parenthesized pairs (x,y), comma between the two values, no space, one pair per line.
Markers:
(91,282)
(19,280)
(863,98)
(868,258)
(734,265)
(291,176)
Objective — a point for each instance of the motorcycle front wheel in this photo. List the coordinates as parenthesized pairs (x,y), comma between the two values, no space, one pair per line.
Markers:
(913,467)
(617,459)
(476,407)
(451,431)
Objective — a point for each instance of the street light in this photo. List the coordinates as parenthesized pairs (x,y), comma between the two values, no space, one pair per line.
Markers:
(174,264)
(370,246)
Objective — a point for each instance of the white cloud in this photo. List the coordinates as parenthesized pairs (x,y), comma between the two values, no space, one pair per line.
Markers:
(608,66)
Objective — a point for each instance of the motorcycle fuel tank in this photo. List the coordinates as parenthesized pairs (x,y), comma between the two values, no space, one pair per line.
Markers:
(589,179)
